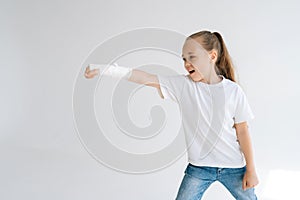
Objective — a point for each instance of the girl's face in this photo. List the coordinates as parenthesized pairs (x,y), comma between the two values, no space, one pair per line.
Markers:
(196,60)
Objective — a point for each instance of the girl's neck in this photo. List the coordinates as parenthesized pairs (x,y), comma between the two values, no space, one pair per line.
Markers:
(213,79)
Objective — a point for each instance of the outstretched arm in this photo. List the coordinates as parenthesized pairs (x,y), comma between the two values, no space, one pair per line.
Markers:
(137,76)
(250,177)
(145,78)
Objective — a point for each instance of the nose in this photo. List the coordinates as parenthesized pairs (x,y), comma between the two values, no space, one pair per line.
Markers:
(187,64)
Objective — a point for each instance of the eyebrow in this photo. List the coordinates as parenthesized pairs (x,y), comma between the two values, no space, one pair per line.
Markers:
(188,53)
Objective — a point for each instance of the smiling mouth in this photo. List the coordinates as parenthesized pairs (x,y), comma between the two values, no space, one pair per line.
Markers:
(192,71)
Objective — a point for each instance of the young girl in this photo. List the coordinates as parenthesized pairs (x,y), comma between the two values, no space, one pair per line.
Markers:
(215,112)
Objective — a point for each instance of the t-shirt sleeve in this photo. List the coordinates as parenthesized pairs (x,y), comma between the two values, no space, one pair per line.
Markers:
(243,110)
(171,86)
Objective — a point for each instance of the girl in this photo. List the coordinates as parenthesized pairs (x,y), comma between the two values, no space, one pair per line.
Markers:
(215,112)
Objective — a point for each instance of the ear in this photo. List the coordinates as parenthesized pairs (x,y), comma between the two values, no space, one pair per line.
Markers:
(213,55)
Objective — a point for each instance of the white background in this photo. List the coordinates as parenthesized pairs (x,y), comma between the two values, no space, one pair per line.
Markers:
(43,44)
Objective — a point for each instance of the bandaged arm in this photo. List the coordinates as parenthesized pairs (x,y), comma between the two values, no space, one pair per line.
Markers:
(133,75)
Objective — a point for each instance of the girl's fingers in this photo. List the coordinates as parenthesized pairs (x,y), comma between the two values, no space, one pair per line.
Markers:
(94,72)
(91,73)
(87,69)
(247,185)
(244,184)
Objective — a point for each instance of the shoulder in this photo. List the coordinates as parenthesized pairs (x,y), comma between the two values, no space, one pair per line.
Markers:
(233,88)
(237,92)
(231,84)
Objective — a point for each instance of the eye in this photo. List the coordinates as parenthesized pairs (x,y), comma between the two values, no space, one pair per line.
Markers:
(192,57)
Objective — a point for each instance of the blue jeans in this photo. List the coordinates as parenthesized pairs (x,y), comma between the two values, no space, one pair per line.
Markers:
(197,179)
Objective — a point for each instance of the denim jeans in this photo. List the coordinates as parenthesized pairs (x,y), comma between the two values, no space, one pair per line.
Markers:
(197,179)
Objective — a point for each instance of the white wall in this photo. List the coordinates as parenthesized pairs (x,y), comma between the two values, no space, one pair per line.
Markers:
(43,44)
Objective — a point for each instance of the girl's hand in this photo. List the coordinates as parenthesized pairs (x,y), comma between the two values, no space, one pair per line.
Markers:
(90,73)
(250,179)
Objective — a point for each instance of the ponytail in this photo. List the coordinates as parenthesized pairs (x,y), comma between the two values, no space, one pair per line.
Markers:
(215,41)
(224,64)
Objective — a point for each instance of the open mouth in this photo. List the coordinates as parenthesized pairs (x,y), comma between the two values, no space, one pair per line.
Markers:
(192,71)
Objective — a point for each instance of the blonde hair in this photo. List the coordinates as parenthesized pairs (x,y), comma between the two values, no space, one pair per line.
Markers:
(213,40)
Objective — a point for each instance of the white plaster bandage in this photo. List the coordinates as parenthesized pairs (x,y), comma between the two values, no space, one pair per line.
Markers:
(113,70)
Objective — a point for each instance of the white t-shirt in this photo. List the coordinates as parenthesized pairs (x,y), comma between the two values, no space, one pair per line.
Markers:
(209,112)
